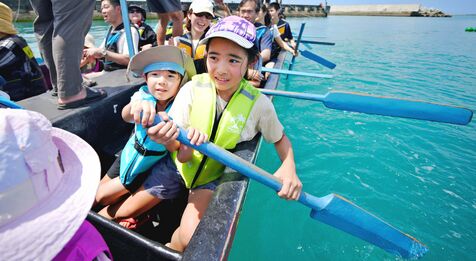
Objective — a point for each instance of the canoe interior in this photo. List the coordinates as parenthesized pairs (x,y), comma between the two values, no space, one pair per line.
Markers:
(101,125)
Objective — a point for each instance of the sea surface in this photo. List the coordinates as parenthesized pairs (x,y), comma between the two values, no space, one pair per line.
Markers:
(417,175)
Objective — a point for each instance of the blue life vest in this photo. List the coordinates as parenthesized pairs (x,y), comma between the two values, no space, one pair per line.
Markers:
(140,152)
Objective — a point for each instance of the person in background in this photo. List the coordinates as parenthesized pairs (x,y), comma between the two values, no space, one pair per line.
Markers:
(147,36)
(249,9)
(60,28)
(21,73)
(114,50)
(283,26)
(199,16)
(90,64)
(167,10)
(278,43)
(48,178)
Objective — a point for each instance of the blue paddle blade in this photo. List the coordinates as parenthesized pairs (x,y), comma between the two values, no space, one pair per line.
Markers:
(397,107)
(318,59)
(345,215)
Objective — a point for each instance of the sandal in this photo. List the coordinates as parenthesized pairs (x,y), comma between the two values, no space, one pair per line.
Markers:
(91,95)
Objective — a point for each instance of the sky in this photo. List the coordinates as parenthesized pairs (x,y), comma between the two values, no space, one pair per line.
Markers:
(450,7)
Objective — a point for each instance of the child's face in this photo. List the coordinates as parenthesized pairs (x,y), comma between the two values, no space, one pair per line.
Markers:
(273,13)
(163,84)
(227,63)
(200,21)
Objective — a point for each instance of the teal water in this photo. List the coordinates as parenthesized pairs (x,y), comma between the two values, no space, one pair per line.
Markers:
(416,175)
(419,176)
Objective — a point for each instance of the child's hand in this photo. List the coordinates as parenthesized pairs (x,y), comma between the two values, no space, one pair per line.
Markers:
(147,108)
(164,132)
(292,186)
(196,137)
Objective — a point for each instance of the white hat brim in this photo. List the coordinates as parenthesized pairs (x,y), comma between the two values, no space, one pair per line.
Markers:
(41,233)
(241,41)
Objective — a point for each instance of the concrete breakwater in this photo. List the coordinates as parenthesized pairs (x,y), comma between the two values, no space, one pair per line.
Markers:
(386,10)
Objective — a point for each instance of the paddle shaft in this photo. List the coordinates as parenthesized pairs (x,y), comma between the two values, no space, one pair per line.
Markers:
(127,27)
(317,42)
(287,72)
(386,106)
(298,40)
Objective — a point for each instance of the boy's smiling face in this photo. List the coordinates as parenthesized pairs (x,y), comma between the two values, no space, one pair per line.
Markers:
(227,64)
(163,84)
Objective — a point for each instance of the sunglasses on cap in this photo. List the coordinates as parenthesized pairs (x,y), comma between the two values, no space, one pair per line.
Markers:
(207,15)
(134,11)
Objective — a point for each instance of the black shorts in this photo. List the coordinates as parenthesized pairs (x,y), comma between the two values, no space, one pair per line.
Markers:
(164,6)
(114,172)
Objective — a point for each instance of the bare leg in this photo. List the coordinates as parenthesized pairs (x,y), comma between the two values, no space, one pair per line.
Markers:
(138,203)
(177,20)
(162,28)
(197,205)
(110,191)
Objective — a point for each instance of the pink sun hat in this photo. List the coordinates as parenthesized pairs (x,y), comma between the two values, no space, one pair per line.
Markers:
(48,181)
(235,29)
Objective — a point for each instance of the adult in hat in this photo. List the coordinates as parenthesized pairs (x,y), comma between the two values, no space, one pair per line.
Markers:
(22,76)
(60,28)
(147,36)
(48,179)
(199,18)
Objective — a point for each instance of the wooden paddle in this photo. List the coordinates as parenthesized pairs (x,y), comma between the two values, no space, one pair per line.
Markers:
(387,106)
(332,209)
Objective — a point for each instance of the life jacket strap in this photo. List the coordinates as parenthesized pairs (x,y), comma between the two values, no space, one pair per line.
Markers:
(145,152)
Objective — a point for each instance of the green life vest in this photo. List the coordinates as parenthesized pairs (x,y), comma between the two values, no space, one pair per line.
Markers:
(223,131)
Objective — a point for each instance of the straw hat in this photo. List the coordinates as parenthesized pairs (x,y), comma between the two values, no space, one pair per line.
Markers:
(164,57)
(6,19)
(48,181)
(89,41)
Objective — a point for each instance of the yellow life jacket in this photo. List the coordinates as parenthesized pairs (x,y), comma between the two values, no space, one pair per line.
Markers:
(225,133)
(185,43)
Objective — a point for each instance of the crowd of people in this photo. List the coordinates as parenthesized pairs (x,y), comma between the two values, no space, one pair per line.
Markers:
(203,79)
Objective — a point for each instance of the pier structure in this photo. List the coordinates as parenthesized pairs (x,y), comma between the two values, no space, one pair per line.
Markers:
(386,10)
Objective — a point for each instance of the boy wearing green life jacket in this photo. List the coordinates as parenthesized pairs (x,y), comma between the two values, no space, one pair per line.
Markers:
(224,106)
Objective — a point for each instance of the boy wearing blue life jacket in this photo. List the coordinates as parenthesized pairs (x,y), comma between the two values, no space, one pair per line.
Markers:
(165,69)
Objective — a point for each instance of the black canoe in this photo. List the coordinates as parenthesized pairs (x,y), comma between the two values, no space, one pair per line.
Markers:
(101,125)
